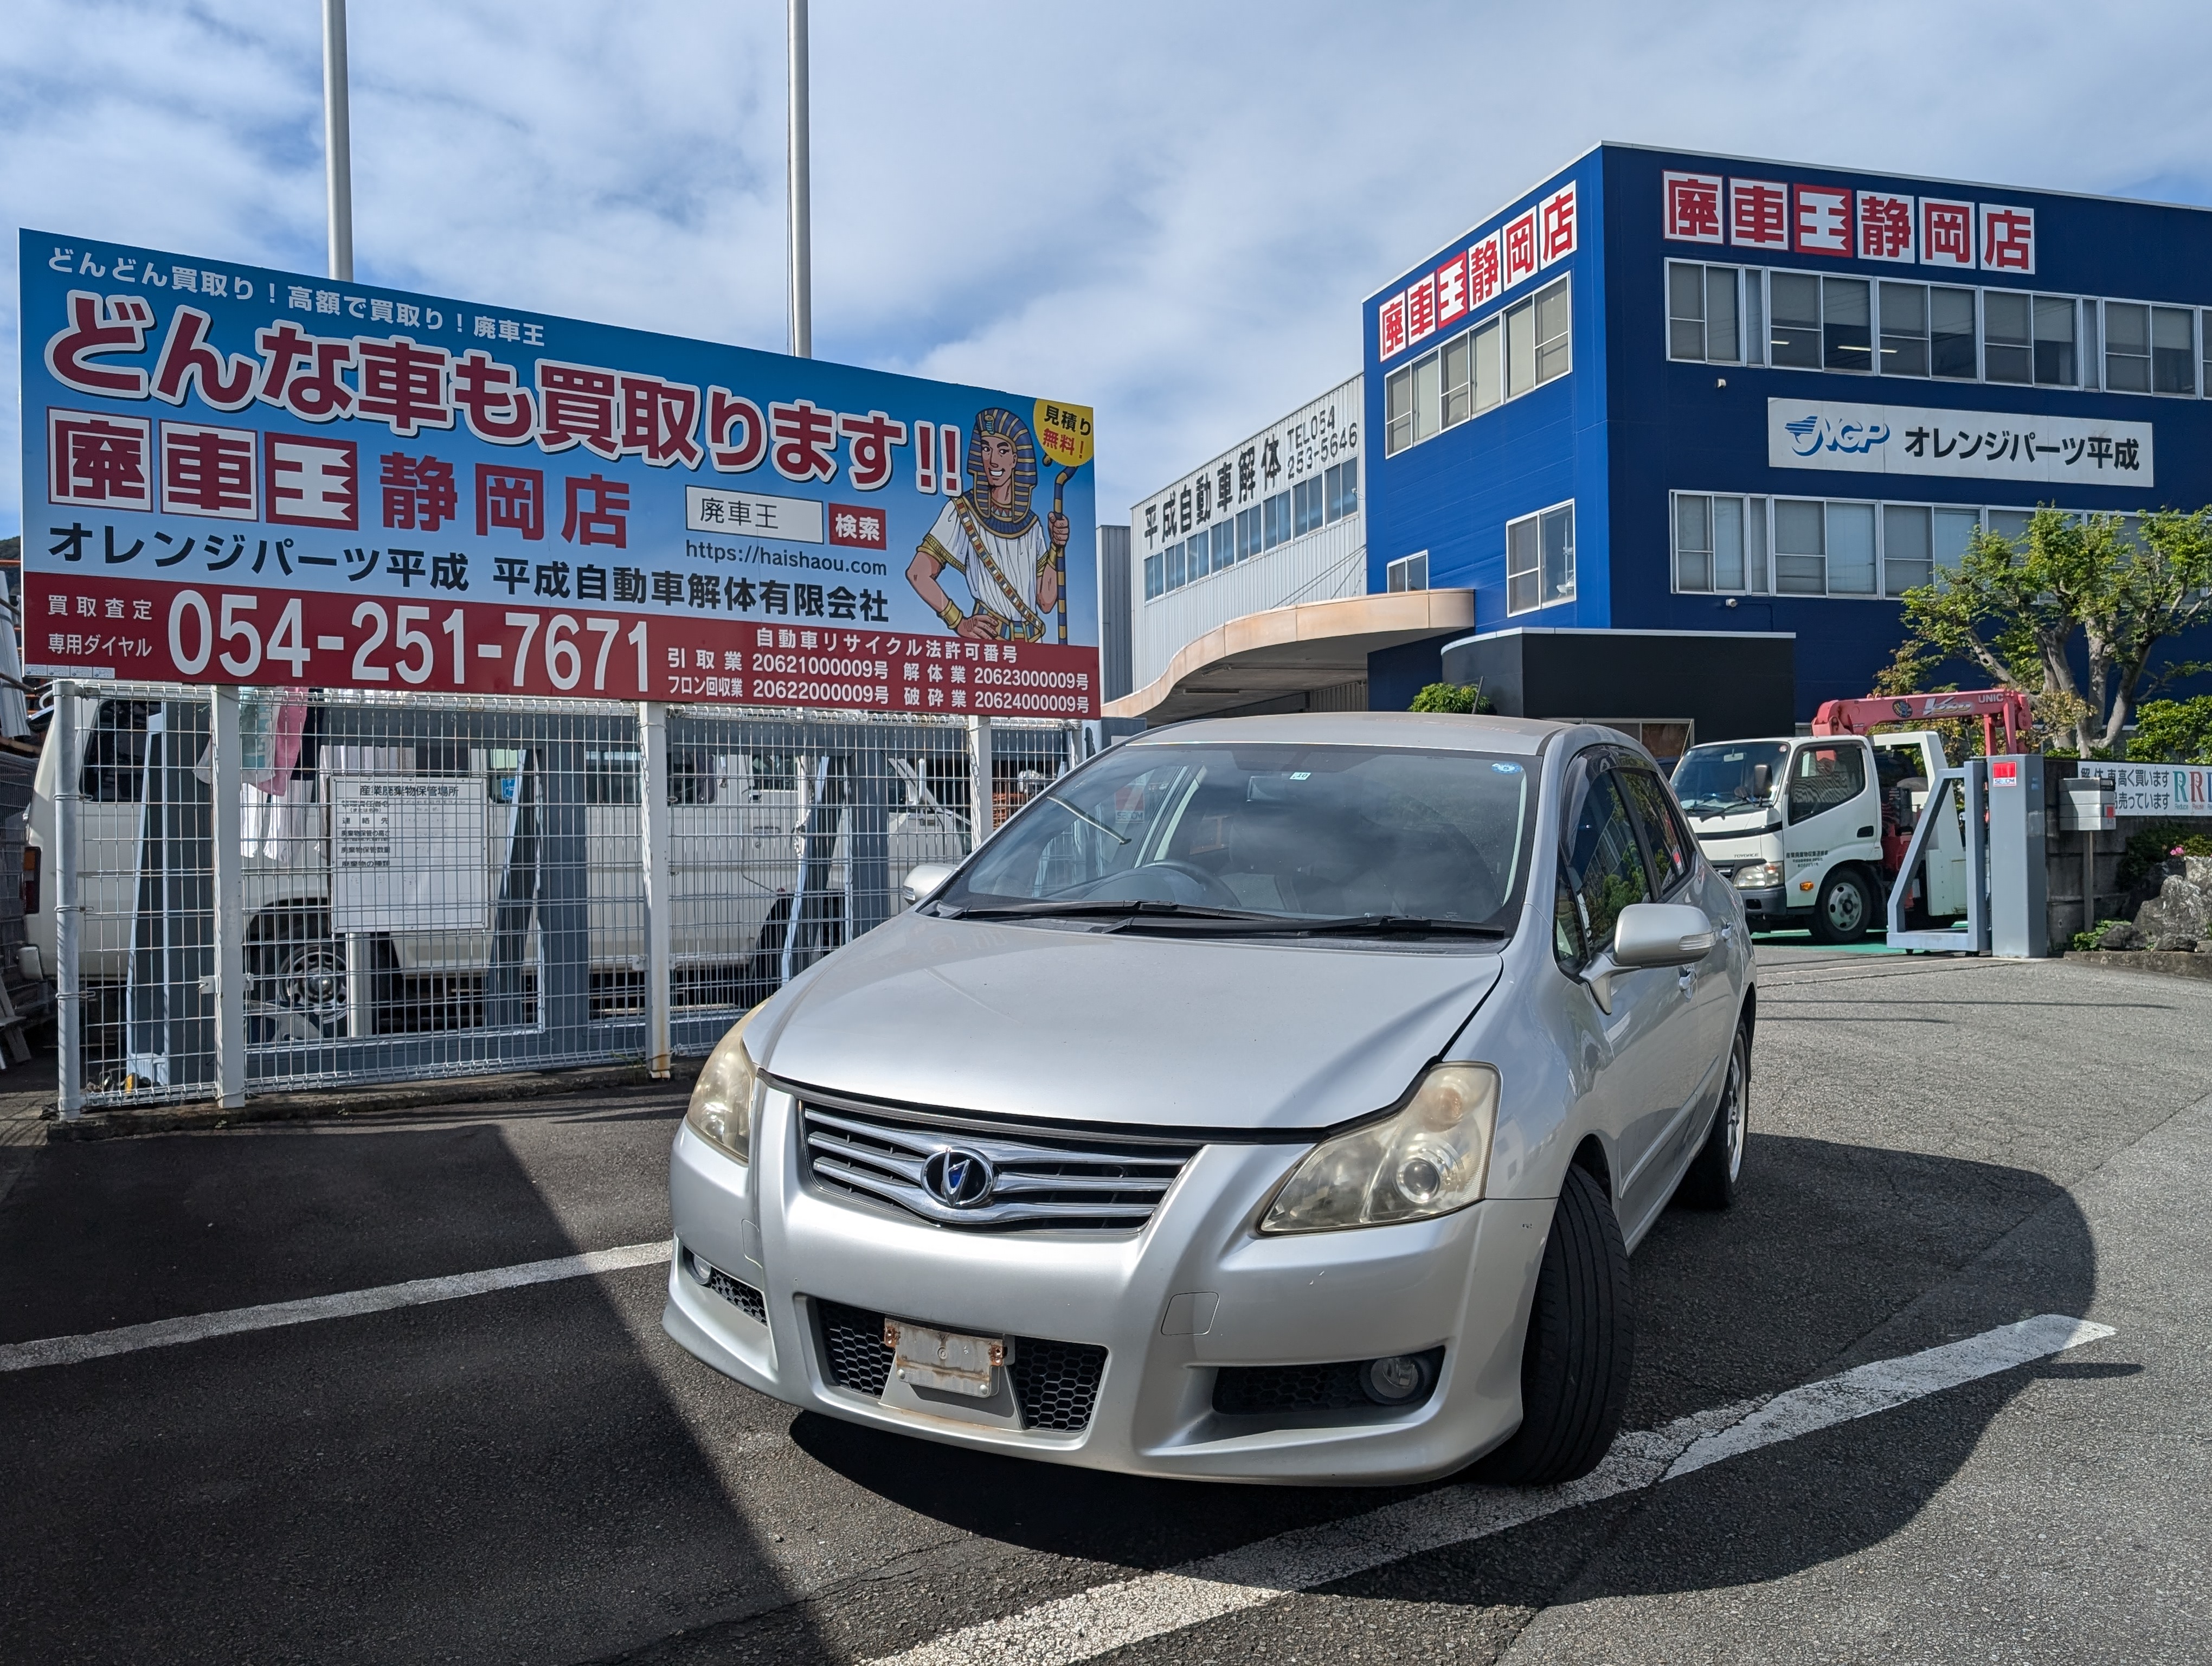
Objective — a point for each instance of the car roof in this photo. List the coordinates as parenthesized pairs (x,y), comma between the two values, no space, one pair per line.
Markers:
(1434,730)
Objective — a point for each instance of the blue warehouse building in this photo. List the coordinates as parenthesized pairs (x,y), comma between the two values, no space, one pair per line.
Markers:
(1726,411)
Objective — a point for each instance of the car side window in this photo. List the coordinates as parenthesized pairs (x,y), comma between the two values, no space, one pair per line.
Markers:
(1602,868)
(1824,778)
(1672,852)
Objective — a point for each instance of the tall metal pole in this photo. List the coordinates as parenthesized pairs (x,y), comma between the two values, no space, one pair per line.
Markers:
(338,142)
(801,230)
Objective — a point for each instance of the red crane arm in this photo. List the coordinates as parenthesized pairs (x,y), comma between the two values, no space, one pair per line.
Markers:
(2007,706)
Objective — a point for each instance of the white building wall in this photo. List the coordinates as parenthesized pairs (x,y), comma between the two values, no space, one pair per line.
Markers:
(1319,565)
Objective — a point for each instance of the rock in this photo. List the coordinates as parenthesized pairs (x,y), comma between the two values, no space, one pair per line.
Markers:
(2181,916)
(2205,946)
(2197,870)
(2120,935)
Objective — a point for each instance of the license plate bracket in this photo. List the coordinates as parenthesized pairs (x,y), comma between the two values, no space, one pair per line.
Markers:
(948,1361)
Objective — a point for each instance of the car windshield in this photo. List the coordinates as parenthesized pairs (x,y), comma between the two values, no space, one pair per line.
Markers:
(1712,781)
(1267,833)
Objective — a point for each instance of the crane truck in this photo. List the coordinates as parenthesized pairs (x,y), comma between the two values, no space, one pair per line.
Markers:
(1813,829)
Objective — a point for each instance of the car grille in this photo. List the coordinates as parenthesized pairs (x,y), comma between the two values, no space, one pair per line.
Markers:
(1056,1384)
(1067,1182)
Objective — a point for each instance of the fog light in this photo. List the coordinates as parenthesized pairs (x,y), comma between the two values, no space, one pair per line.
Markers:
(1395,1381)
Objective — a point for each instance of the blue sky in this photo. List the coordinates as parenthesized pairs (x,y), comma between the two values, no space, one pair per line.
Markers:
(1171,211)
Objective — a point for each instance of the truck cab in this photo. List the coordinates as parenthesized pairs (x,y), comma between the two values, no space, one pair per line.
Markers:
(1811,828)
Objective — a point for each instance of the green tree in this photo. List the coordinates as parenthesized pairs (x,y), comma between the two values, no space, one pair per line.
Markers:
(2173,731)
(2017,610)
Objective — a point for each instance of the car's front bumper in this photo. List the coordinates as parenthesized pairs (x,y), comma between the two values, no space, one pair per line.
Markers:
(1462,1283)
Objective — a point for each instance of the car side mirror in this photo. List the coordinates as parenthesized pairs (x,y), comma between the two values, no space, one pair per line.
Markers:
(1649,934)
(924,880)
(1762,780)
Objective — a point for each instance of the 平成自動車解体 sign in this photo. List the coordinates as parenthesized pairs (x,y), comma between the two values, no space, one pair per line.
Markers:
(237,475)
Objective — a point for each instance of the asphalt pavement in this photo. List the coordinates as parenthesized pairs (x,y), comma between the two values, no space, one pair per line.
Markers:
(522,1468)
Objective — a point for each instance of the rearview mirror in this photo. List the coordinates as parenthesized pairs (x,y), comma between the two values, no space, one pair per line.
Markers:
(1762,780)
(923,880)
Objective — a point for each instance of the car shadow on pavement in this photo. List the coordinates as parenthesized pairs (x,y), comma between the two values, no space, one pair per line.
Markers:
(1830,1243)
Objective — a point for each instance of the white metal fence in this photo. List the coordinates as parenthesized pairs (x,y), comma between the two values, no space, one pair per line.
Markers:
(267,890)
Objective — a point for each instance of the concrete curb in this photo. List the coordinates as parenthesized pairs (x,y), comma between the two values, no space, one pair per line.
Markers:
(2165,963)
(455,1094)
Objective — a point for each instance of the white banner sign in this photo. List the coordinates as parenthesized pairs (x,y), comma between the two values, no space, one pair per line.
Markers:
(1962,445)
(408,852)
(2157,789)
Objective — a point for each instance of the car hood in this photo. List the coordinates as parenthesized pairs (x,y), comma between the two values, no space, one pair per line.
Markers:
(1096,1027)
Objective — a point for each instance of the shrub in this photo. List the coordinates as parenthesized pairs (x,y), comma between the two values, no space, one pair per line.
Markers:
(1464,698)
(2173,731)
(2148,849)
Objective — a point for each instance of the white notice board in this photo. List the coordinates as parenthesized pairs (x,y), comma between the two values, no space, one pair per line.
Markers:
(408,853)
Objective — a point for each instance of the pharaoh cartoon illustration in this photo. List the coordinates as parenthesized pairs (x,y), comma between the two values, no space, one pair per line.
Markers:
(1010,557)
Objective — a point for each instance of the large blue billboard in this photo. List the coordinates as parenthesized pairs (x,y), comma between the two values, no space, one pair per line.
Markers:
(237,475)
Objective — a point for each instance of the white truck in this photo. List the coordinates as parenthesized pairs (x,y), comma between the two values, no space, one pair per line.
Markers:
(1812,828)
(420,838)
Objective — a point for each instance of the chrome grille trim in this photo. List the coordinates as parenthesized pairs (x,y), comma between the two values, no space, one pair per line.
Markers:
(1072,1180)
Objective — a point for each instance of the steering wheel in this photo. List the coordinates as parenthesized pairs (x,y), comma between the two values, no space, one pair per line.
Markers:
(1215,891)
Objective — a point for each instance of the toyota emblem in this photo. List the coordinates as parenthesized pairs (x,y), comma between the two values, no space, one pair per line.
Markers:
(959,1179)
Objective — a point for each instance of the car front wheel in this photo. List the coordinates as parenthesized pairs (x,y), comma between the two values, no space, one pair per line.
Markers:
(1580,1347)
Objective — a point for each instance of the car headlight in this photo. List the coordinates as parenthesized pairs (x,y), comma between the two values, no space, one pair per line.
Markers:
(1757,876)
(1429,1160)
(721,1110)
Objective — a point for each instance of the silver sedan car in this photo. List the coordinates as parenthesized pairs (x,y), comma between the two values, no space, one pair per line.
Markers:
(1273,1099)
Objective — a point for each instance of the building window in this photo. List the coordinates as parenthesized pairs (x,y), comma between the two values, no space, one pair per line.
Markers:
(1407,573)
(1309,507)
(1247,533)
(1156,574)
(2172,350)
(1823,548)
(1801,548)
(1224,544)
(1846,324)
(1904,330)
(1344,488)
(1793,340)
(1540,559)
(1459,357)
(1277,517)
(1701,313)
(1398,411)
(1176,575)
(2007,347)
(1426,382)
(1539,344)
(2056,359)
(2127,348)
(1489,366)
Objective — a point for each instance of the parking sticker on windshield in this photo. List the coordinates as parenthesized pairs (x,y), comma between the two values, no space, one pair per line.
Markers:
(1507,769)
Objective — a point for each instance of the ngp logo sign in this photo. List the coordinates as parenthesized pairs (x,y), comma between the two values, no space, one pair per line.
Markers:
(1793,217)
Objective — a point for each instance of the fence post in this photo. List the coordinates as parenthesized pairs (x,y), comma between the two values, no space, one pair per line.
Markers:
(652,822)
(227,762)
(68,1011)
(979,782)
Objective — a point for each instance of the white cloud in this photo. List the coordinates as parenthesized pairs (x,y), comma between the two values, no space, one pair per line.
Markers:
(1169,210)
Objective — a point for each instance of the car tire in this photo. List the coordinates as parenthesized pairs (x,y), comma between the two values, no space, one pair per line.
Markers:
(1581,1344)
(1711,1179)
(1844,909)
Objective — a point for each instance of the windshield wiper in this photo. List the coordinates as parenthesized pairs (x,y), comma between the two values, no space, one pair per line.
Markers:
(1054,798)
(1348,925)
(1095,908)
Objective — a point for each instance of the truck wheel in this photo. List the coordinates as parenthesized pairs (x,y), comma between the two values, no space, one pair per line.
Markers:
(1581,1344)
(1845,908)
(1710,1181)
(297,971)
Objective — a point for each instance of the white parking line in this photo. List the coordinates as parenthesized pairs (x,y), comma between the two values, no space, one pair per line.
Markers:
(1091,1622)
(198,1326)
